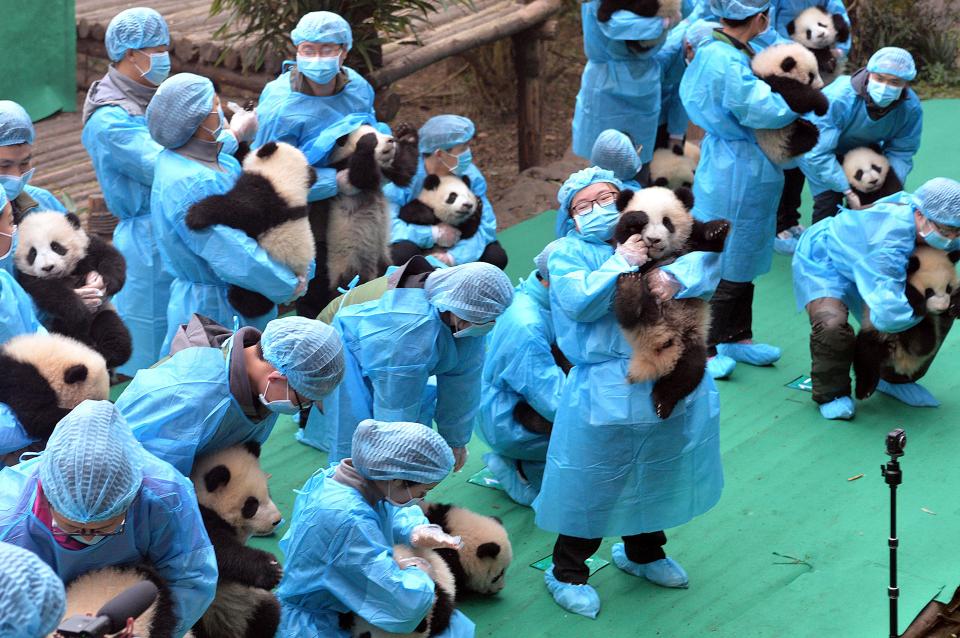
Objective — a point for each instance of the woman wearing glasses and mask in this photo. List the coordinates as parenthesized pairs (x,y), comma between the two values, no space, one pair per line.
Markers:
(614,468)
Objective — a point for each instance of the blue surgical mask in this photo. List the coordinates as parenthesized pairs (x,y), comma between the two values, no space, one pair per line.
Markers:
(882,93)
(474,330)
(936,240)
(319,70)
(230,145)
(159,68)
(281,406)
(14,185)
(599,223)
(413,500)
(464,160)
(216,132)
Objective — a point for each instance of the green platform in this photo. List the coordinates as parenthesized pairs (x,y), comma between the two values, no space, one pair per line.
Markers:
(787,493)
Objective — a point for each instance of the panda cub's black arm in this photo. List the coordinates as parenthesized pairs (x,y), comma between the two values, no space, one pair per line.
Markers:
(235,561)
(407,156)
(107,261)
(801,98)
(416,212)
(57,298)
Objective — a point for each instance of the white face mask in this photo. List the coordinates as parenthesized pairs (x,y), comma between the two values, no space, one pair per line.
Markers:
(13,242)
(281,406)
(412,499)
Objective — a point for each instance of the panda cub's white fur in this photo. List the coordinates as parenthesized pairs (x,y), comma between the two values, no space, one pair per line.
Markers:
(452,201)
(672,171)
(866,169)
(816,29)
(52,355)
(40,233)
(767,63)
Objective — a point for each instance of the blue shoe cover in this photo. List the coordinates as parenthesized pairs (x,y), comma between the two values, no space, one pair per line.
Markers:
(840,408)
(785,245)
(505,471)
(910,393)
(664,572)
(755,354)
(579,599)
(720,366)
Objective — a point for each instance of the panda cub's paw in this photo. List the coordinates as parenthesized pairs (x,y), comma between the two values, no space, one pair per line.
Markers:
(406,133)
(268,573)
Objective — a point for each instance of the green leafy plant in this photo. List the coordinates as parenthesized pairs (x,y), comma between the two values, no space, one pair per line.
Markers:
(269,22)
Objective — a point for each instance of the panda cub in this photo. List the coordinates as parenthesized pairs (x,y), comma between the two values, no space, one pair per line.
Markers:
(44,377)
(791,71)
(933,290)
(674,167)
(447,199)
(643,8)
(235,504)
(869,174)
(268,203)
(481,564)
(89,592)
(437,619)
(820,31)
(669,338)
(53,257)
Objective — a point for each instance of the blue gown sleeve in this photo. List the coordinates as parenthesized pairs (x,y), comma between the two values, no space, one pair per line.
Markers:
(751,100)
(583,294)
(403,520)
(45,198)
(458,393)
(17,312)
(820,164)
(400,230)
(535,375)
(470,250)
(326,185)
(905,144)
(698,274)
(132,151)
(626,25)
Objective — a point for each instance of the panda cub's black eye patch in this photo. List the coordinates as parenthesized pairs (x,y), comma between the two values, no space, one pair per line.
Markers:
(858,174)
(32,256)
(452,197)
(875,167)
(58,248)
(928,293)
(668,224)
(250,507)
(809,34)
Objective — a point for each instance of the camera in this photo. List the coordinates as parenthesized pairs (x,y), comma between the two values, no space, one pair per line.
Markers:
(112,617)
(896,441)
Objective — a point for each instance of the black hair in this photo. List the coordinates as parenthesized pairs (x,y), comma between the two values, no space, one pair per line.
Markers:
(730,22)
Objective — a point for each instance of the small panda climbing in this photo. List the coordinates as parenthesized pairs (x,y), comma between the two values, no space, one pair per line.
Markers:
(820,32)
(54,257)
(791,71)
(868,171)
(445,199)
(675,167)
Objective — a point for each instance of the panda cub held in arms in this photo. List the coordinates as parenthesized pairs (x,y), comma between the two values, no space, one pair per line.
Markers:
(933,290)
(869,174)
(235,504)
(53,257)
(479,566)
(668,338)
(791,71)
(88,593)
(44,377)
(352,229)
(820,31)
(437,619)
(269,204)
(448,200)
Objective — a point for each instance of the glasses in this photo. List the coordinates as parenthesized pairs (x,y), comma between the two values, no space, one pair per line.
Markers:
(59,531)
(585,206)
(319,50)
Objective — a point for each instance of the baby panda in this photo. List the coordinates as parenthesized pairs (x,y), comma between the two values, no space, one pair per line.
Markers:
(352,229)
(268,203)
(88,593)
(869,174)
(447,199)
(791,70)
(235,504)
(669,338)
(481,564)
(44,377)
(674,167)
(53,258)
(437,619)
(820,31)
(933,290)
(643,8)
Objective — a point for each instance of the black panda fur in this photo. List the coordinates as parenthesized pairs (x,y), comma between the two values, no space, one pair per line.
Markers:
(235,503)
(669,339)
(791,71)
(643,8)
(45,376)
(352,231)
(447,199)
(933,290)
(820,31)
(268,203)
(53,257)
(869,174)
(480,565)
(86,594)
(523,412)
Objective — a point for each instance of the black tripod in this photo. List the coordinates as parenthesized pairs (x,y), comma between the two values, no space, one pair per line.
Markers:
(896,441)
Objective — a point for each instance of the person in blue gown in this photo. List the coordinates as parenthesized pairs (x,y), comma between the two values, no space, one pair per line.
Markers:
(616,152)
(18,313)
(735,179)
(614,468)
(857,262)
(95,498)
(32,598)
(185,118)
(16,163)
(346,520)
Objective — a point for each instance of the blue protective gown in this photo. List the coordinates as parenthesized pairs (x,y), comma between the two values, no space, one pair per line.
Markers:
(464,251)
(339,558)
(847,125)
(392,346)
(672,65)
(619,88)
(183,408)
(519,365)
(124,156)
(860,257)
(204,263)
(163,527)
(44,198)
(287,115)
(735,180)
(613,467)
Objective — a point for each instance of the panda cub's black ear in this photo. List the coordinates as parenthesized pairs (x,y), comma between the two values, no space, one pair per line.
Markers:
(488,550)
(431,182)
(685,195)
(216,478)
(913,265)
(841,27)
(466,180)
(788,64)
(661,181)
(253,448)
(624,198)
(267,150)
(74,220)
(791,27)
(954,256)
(75,374)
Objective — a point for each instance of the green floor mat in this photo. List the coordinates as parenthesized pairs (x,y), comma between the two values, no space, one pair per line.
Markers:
(794,548)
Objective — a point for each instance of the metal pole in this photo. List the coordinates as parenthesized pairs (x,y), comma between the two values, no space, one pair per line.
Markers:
(893,590)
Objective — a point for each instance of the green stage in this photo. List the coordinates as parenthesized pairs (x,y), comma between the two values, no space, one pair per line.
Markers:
(795,548)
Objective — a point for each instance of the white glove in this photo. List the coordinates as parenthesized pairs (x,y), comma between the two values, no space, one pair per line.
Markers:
(445,257)
(634,251)
(445,235)
(662,284)
(416,561)
(433,537)
(301,288)
(344,187)
(243,124)
(91,293)
(853,200)
(460,456)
